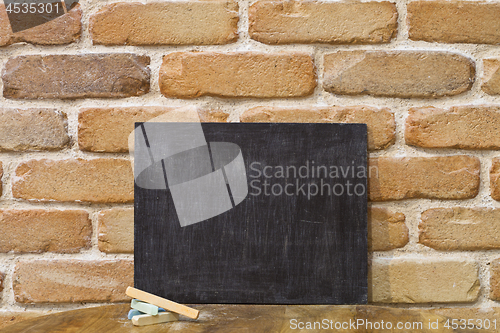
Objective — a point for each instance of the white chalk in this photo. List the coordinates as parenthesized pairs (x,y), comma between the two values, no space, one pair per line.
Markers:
(162,317)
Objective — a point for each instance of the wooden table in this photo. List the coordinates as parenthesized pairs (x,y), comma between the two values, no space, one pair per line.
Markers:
(232,318)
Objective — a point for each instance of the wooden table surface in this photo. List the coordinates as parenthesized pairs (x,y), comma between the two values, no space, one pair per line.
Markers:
(231,318)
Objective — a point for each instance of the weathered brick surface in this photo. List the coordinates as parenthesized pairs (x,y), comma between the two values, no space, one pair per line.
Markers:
(211,116)
(107,129)
(163,23)
(445,177)
(386,229)
(466,127)
(380,122)
(284,22)
(423,281)
(97,180)
(460,228)
(495,178)
(66,280)
(32,129)
(13,317)
(62,30)
(116,230)
(60,255)
(495,280)
(402,74)
(76,76)
(37,230)
(237,74)
(454,22)
(491,76)
(1,175)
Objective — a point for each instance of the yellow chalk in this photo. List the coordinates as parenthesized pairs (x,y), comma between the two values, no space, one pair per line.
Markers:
(163,303)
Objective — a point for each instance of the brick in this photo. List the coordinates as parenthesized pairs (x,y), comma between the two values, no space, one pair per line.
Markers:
(213,116)
(1,175)
(386,230)
(395,73)
(286,22)
(491,76)
(72,281)
(65,29)
(2,277)
(445,177)
(166,23)
(423,281)
(106,129)
(37,231)
(495,179)
(32,129)
(460,228)
(8,318)
(454,22)
(465,127)
(380,122)
(237,74)
(97,180)
(495,280)
(116,230)
(76,76)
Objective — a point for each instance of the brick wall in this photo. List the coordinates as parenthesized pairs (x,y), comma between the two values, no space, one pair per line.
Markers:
(424,76)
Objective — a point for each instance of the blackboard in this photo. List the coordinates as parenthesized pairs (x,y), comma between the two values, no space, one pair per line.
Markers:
(293,247)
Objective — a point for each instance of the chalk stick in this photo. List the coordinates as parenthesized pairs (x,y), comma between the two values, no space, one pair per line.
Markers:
(135,312)
(146,308)
(162,302)
(162,317)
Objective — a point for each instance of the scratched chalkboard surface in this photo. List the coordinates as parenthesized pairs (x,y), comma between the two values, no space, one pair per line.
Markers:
(259,213)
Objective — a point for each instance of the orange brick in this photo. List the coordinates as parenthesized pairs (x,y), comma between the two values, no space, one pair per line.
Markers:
(381,124)
(32,129)
(237,74)
(116,230)
(454,22)
(1,175)
(395,73)
(212,116)
(97,180)
(286,22)
(107,129)
(166,23)
(70,76)
(72,281)
(445,177)
(491,76)
(423,281)
(466,127)
(386,230)
(495,179)
(460,228)
(37,230)
(62,30)
(495,280)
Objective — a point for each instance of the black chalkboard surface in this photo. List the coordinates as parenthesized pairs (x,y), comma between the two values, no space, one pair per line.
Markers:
(288,225)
